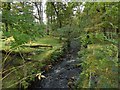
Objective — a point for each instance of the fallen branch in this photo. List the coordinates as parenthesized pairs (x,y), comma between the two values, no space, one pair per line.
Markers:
(38,45)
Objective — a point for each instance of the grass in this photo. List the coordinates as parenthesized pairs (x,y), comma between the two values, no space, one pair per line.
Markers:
(45,52)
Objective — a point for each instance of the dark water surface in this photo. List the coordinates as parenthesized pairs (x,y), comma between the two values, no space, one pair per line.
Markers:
(63,73)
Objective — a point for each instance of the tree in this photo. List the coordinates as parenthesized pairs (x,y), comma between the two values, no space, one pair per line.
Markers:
(6,12)
(18,20)
(39,7)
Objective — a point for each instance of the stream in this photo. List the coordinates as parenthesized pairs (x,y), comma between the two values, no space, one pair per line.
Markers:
(64,74)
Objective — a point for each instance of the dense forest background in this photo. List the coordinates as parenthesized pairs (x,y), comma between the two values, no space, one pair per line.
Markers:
(29,46)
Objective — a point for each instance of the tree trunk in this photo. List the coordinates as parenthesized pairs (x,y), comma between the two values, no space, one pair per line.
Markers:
(57,13)
(6,26)
(39,10)
(103,19)
(8,5)
(51,19)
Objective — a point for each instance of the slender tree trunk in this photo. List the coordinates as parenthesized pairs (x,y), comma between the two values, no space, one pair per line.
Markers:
(103,19)
(58,16)
(39,10)
(51,19)
(118,33)
(60,23)
(6,26)
(8,5)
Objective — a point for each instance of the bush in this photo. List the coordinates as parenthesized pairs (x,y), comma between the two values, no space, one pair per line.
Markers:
(100,67)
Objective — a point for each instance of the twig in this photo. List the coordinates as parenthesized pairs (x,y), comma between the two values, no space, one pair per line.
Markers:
(14,68)
(9,52)
(23,62)
(90,80)
(22,80)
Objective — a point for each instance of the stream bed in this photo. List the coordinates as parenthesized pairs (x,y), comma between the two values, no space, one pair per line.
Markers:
(63,75)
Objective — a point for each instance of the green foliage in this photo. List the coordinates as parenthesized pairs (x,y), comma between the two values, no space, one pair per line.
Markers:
(96,28)
(38,30)
(20,38)
(65,31)
(20,22)
(100,60)
(57,54)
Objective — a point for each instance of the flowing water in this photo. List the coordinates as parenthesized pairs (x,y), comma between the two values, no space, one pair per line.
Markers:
(64,74)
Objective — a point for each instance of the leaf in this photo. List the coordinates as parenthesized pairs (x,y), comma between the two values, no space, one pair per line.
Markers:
(40,76)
